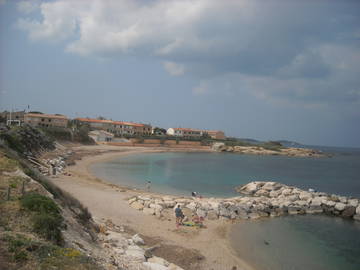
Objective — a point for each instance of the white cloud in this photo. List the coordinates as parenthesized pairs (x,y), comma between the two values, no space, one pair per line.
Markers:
(173,68)
(28,6)
(59,22)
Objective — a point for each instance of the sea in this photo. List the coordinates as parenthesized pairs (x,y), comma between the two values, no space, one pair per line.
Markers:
(312,242)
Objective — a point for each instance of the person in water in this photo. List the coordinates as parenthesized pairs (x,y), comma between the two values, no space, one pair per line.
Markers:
(179,216)
(148,185)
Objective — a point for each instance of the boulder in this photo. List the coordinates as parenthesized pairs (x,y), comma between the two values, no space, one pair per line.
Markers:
(358,210)
(340,206)
(356,217)
(154,266)
(348,212)
(191,206)
(316,209)
(138,240)
(293,210)
(158,260)
(353,202)
(137,205)
(132,200)
(286,191)
(316,201)
(201,213)
(136,253)
(250,188)
(212,215)
(305,195)
(174,267)
(218,146)
(262,192)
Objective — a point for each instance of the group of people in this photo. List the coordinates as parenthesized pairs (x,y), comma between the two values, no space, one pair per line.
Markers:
(195,221)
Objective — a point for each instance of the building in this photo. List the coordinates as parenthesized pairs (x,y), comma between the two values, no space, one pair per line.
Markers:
(101,136)
(216,134)
(118,128)
(45,120)
(13,118)
(184,132)
(195,133)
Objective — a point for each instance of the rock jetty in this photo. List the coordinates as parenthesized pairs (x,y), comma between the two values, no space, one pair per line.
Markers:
(260,199)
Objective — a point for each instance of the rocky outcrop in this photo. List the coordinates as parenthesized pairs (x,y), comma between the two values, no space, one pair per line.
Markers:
(258,150)
(264,199)
(123,251)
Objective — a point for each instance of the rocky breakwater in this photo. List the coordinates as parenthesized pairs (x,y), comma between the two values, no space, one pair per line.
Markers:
(263,199)
(283,199)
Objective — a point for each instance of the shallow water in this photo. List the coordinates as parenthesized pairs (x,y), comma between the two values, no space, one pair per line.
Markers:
(216,174)
(299,242)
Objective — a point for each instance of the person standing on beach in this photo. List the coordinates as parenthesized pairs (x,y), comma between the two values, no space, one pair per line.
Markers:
(179,216)
(148,185)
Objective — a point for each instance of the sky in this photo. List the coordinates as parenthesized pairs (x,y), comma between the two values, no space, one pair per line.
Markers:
(267,70)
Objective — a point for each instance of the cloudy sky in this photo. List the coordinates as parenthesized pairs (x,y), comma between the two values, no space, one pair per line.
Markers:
(284,69)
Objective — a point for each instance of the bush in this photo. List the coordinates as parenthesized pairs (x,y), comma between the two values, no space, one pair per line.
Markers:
(38,203)
(48,226)
(47,221)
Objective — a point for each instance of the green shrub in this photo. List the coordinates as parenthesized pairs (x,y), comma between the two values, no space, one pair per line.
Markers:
(48,226)
(47,222)
(20,256)
(38,203)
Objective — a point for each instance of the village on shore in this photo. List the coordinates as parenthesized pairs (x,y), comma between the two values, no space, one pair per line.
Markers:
(122,133)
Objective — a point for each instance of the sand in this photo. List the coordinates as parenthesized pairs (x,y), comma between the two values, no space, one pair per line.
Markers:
(188,247)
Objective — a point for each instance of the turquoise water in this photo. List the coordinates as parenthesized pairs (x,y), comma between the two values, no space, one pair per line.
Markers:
(299,242)
(216,174)
(295,243)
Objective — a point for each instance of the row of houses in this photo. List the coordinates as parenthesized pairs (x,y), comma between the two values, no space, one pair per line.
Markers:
(195,133)
(118,128)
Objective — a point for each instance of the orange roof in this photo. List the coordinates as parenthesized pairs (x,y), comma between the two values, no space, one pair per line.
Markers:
(46,115)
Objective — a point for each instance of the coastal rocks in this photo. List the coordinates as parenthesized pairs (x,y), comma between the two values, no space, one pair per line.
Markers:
(137,205)
(263,199)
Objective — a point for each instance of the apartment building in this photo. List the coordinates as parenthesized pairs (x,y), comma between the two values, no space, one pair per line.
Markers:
(45,120)
(13,118)
(216,134)
(119,128)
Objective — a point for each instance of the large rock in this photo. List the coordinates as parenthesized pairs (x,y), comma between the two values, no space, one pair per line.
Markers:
(138,240)
(358,210)
(356,217)
(353,202)
(250,188)
(137,205)
(340,206)
(270,186)
(218,146)
(348,212)
(305,195)
(158,260)
(154,266)
(136,253)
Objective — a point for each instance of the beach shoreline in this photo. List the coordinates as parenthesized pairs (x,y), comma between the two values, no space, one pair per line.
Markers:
(109,201)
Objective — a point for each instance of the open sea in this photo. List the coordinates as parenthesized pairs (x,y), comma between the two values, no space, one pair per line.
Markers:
(301,242)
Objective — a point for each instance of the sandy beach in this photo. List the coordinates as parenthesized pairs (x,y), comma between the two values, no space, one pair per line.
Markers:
(188,247)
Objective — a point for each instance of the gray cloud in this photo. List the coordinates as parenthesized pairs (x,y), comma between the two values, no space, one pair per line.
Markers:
(301,51)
